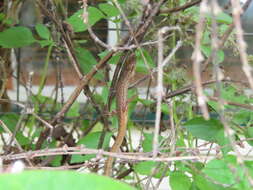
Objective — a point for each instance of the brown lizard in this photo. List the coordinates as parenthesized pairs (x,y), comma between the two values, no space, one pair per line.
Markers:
(121,108)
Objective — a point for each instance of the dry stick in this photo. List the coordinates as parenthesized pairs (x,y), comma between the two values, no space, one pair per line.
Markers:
(99,153)
(172,141)
(3,80)
(15,140)
(245,106)
(191,87)
(159,89)
(236,12)
(11,134)
(197,58)
(225,35)
(26,109)
(159,92)
(180,8)
(214,44)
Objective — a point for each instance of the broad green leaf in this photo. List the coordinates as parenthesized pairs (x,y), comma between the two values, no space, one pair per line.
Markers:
(10,120)
(43,31)
(56,161)
(76,19)
(165,108)
(74,110)
(44,43)
(249,134)
(90,141)
(146,102)
(109,9)
(193,12)
(205,184)
(206,37)
(243,117)
(22,140)
(59,180)
(2,16)
(219,171)
(249,165)
(115,58)
(209,130)
(147,144)
(224,18)
(86,60)
(16,37)
(207,52)
(132,95)
(141,66)
(149,167)
(179,181)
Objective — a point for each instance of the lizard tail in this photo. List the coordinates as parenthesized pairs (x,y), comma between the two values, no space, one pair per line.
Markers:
(116,146)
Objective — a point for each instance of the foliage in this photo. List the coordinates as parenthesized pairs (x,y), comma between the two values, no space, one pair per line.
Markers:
(56,180)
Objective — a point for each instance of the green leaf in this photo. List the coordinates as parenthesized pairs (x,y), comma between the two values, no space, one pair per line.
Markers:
(22,139)
(16,37)
(243,117)
(179,181)
(165,108)
(76,19)
(10,120)
(86,59)
(115,58)
(141,66)
(59,180)
(224,18)
(147,144)
(148,167)
(43,31)
(206,37)
(204,184)
(2,16)
(56,161)
(249,134)
(209,130)
(74,110)
(109,9)
(207,52)
(146,102)
(219,171)
(44,43)
(90,141)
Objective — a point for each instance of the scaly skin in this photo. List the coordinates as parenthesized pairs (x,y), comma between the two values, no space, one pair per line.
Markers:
(121,108)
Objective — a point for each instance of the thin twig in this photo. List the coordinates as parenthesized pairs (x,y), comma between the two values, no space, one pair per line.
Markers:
(242,47)
(88,151)
(197,58)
